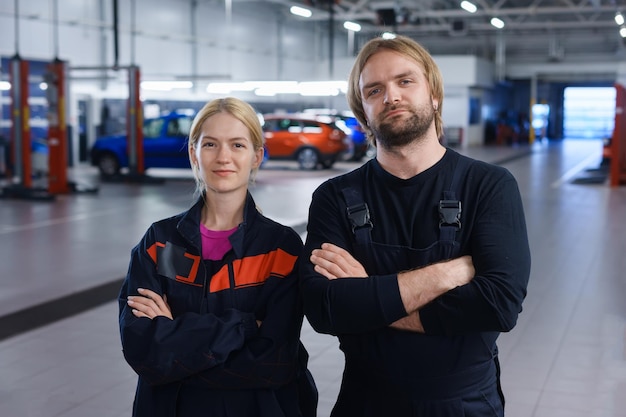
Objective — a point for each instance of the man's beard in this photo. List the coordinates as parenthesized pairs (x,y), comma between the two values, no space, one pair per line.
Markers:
(392,133)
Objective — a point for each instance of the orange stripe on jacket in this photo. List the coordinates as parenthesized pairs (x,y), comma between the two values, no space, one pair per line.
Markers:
(152,250)
(193,273)
(254,270)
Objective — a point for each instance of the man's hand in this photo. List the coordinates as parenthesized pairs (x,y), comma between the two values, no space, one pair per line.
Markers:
(420,286)
(456,272)
(334,262)
(149,304)
(410,323)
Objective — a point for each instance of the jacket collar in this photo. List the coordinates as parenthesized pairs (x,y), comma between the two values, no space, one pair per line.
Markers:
(189,224)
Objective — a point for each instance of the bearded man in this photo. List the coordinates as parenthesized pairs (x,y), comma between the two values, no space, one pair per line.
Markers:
(418,259)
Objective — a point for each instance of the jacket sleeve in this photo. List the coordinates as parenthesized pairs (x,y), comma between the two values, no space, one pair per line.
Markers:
(163,350)
(269,359)
(500,252)
(347,305)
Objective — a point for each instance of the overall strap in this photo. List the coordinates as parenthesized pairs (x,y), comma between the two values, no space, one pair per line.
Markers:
(450,206)
(359,216)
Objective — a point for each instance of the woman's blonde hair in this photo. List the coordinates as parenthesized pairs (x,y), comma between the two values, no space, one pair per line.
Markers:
(237,108)
(404,46)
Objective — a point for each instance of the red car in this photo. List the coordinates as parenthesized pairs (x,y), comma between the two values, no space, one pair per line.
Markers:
(311,140)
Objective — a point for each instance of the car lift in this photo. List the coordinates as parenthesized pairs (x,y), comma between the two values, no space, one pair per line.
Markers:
(21,183)
(134,129)
(22,186)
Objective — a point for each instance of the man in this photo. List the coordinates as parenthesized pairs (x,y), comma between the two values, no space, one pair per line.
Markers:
(419,258)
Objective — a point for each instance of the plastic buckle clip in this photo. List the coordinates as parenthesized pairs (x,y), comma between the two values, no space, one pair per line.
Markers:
(450,213)
(359,216)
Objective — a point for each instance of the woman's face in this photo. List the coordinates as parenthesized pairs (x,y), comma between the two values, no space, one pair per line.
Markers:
(225,155)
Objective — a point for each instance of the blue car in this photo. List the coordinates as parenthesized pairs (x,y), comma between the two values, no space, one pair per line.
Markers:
(164,145)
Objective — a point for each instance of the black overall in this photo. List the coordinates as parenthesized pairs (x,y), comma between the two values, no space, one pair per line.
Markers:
(395,373)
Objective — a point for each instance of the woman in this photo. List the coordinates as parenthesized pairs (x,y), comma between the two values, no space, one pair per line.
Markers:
(210,314)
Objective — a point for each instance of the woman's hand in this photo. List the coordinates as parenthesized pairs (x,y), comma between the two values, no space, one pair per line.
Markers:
(149,304)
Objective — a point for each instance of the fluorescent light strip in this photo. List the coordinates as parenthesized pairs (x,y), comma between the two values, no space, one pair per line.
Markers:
(271,88)
(300,11)
(497,23)
(468,7)
(352,26)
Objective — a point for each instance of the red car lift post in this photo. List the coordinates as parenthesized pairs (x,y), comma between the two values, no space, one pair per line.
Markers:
(134,131)
(618,141)
(134,124)
(57,128)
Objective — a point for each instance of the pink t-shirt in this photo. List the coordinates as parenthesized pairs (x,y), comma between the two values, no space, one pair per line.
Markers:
(215,243)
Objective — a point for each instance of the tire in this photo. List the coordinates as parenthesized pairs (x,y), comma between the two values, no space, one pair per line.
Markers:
(308,158)
(108,165)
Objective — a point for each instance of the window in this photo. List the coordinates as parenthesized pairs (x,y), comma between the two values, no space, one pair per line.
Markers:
(311,127)
(589,112)
(152,129)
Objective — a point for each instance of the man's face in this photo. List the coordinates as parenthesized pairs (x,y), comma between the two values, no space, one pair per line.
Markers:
(396,99)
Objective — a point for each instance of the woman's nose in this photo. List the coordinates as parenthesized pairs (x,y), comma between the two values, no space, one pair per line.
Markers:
(223,153)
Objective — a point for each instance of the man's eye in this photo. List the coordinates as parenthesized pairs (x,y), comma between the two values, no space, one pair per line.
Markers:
(373,91)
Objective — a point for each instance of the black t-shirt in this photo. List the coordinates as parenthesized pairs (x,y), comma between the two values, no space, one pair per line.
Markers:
(461,326)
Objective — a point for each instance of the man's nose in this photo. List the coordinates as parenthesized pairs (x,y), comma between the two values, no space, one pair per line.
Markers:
(392,95)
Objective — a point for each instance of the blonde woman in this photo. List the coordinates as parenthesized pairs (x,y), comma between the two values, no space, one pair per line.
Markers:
(210,315)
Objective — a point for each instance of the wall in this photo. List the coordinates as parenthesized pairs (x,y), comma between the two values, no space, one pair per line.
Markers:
(165,39)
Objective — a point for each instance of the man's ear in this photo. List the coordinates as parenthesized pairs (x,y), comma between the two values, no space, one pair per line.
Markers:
(435,104)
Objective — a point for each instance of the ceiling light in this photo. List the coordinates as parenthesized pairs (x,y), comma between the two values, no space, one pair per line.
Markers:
(622,33)
(5,86)
(227,88)
(497,22)
(469,7)
(619,19)
(300,11)
(322,88)
(272,88)
(388,35)
(354,27)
